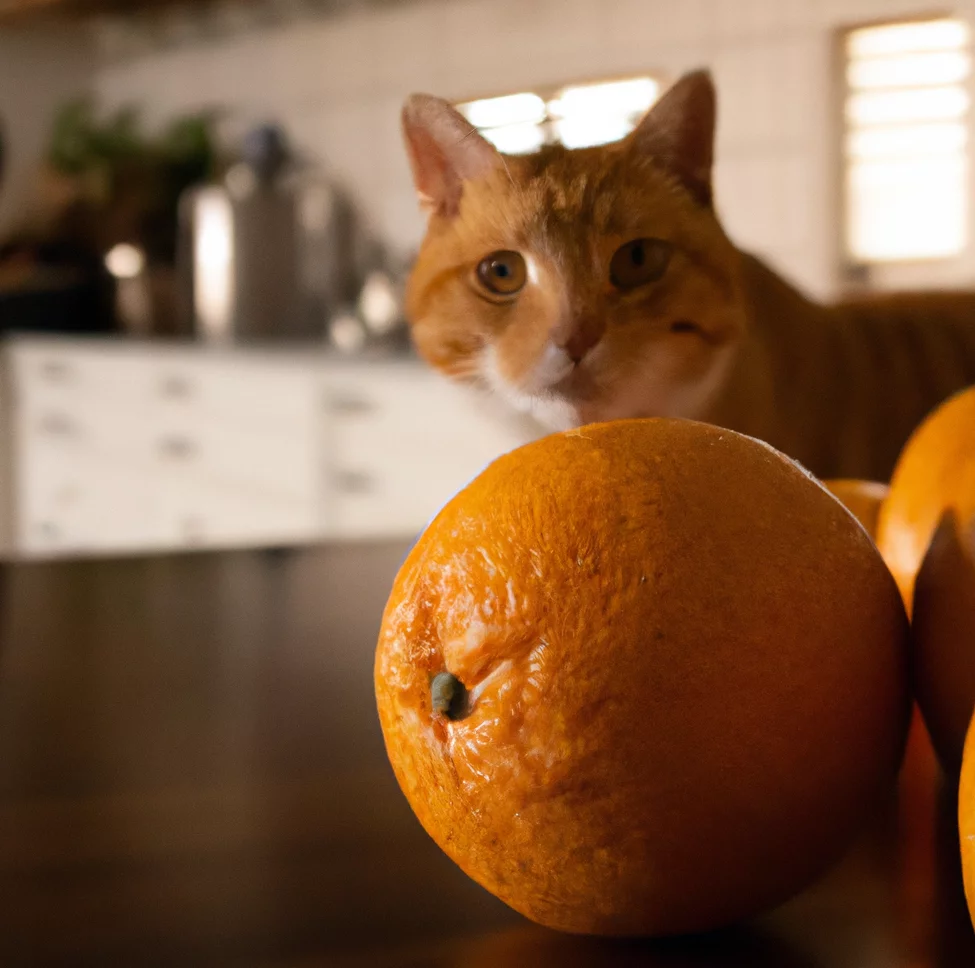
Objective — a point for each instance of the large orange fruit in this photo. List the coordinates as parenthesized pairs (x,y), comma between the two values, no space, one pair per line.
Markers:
(936,470)
(943,654)
(863,499)
(645,677)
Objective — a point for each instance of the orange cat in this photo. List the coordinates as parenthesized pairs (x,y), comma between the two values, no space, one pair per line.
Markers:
(598,284)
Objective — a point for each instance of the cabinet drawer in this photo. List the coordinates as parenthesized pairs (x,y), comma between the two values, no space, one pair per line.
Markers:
(56,374)
(195,515)
(278,460)
(95,428)
(422,417)
(388,504)
(255,462)
(81,506)
(401,444)
(237,392)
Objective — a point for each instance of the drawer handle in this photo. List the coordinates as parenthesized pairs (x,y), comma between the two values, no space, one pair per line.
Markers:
(349,404)
(177,448)
(56,371)
(58,425)
(354,482)
(48,530)
(176,387)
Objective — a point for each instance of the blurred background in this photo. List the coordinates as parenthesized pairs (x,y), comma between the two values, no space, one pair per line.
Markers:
(216,444)
(219,190)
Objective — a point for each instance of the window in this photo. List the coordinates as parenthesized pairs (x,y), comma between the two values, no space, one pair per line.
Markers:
(578,115)
(906,141)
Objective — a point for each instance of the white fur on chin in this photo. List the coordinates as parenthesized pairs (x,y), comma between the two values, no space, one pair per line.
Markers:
(535,396)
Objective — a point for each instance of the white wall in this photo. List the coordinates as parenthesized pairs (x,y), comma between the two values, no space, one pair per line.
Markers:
(338,84)
(39,69)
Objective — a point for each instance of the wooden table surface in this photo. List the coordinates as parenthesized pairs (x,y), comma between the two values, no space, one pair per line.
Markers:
(191,773)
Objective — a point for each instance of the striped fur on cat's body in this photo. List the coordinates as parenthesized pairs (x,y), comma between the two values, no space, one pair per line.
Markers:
(598,284)
(841,387)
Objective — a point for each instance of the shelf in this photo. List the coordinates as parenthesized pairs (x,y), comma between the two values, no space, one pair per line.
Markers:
(204,12)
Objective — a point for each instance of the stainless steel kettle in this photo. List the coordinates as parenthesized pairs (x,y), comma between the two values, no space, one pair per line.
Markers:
(272,251)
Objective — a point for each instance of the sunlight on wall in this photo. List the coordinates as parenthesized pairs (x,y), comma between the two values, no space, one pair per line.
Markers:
(578,116)
(906,144)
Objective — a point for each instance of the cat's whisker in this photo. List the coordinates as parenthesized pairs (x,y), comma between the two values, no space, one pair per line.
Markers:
(501,157)
(462,366)
(465,372)
(507,170)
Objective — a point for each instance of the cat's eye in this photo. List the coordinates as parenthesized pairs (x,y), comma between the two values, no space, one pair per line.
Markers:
(638,262)
(502,273)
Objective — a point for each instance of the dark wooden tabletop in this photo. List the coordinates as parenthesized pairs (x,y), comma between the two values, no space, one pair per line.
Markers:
(191,773)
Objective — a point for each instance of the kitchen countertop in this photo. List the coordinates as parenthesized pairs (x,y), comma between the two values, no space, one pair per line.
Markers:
(398,350)
(191,773)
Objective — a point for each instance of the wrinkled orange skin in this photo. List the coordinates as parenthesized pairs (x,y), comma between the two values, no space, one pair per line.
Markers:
(862,499)
(966,820)
(943,656)
(936,471)
(688,671)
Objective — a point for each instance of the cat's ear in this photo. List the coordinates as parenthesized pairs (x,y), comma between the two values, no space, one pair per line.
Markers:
(678,133)
(445,150)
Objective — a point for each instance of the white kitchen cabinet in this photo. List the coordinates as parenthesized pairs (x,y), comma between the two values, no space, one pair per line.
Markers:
(400,444)
(114,447)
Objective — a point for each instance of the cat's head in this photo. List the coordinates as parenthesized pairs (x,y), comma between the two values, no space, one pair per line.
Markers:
(580,285)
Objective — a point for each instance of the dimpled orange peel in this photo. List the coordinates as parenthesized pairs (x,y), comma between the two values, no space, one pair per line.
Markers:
(643,678)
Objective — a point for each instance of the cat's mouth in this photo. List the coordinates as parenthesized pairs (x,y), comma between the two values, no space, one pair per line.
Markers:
(556,376)
(553,389)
